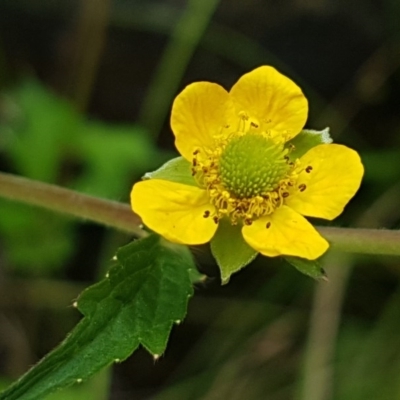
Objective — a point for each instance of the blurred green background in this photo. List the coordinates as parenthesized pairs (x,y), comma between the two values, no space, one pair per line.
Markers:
(85,93)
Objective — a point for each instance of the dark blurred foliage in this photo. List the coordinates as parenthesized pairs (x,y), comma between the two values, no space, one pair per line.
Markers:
(86,91)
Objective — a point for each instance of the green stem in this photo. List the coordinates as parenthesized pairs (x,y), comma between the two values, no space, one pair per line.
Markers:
(55,198)
(120,216)
(363,241)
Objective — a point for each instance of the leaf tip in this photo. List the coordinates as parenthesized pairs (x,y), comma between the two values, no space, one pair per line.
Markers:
(310,268)
(225,279)
(324,276)
(147,176)
(326,136)
(203,278)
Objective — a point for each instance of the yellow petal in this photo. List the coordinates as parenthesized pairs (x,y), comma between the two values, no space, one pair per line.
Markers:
(273,100)
(334,179)
(174,210)
(199,113)
(288,233)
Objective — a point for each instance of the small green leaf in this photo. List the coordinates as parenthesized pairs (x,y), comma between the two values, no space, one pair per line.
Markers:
(230,250)
(310,268)
(306,140)
(137,303)
(175,170)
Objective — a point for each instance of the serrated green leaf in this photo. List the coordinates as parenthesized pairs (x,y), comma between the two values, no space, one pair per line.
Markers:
(230,250)
(306,140)
(310,268)
(137,303)
(175,170)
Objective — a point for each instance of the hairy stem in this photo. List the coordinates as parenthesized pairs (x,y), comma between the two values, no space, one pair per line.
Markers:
(120,216)
(55,198)
(363,241)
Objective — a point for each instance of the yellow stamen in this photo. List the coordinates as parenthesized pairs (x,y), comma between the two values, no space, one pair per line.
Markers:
(245,191)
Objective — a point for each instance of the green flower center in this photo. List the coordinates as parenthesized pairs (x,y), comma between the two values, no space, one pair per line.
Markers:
(252,165)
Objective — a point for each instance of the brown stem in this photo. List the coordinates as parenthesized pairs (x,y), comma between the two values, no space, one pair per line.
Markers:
(120,216)
(55,198)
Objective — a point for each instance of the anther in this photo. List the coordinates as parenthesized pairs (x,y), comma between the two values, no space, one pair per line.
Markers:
(253,124)
(248,221)
(309,169)
(194,162)
(196,152)
(243,115)
(268,225)
(206,214)
(302,187)
(285,194)
(215,219)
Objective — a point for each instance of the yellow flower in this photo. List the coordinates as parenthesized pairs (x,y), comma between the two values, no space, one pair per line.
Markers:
(235,144)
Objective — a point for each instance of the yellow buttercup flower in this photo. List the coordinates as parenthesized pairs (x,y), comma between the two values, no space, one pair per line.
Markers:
(241,169)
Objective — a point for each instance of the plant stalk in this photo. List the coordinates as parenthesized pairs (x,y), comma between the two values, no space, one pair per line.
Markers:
(66,201)
(120,216)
